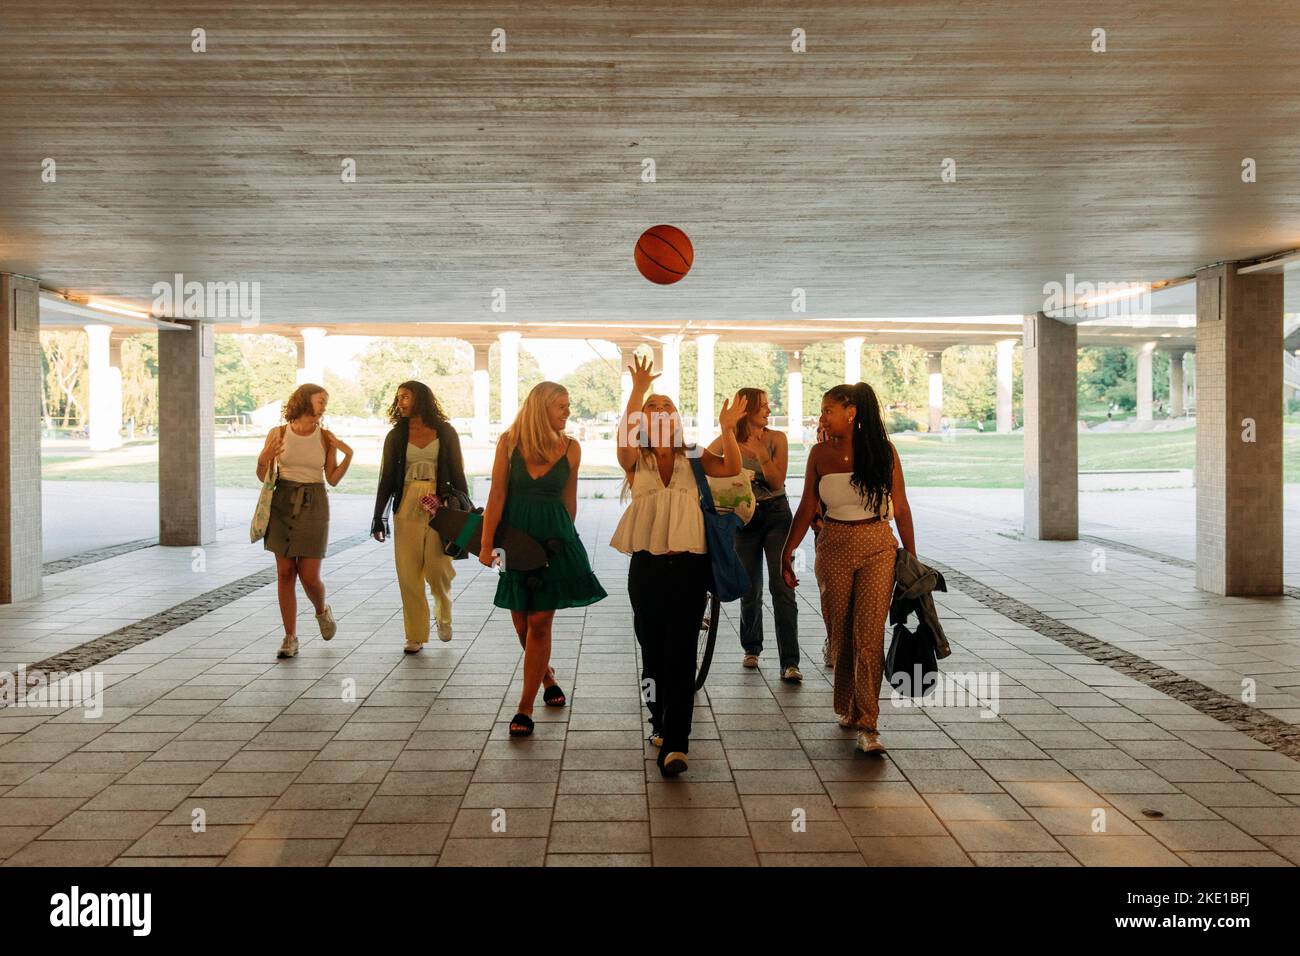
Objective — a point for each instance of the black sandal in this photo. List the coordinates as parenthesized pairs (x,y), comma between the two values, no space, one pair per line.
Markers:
(554,696)
(523,720)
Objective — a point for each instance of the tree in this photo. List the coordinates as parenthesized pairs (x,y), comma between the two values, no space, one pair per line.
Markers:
(140,379)
(66,362)
(594,388)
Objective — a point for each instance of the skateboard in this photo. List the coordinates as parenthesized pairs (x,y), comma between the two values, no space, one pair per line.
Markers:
(463,531)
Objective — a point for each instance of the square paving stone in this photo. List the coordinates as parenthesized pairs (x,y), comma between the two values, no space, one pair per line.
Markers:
(303,824)
(600,806)
(606,836)
(411,809)
(76,853)
(994,836)
(245,785)
(976,806)
(499,823)
(36,811)
(703,851)
(507,795)
(1080,821)
(183,841)
(811,859)
(912,851)
(1181,835)
(513,851)
(127,825)
(394,839)
(219,810)
(326,796)
(891,821)
(598,859)
(1011,858)
(698,822)
(1226,859)
(434,783)
(1173,806)
(282,853)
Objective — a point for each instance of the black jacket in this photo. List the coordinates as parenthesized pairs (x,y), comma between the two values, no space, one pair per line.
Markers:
(392,468)
(914,584)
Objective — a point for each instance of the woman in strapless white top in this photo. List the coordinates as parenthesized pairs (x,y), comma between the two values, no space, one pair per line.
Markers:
(854,481)
(669,571)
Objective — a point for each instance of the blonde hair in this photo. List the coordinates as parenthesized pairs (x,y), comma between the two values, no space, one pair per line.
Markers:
(645,428)
(531,431)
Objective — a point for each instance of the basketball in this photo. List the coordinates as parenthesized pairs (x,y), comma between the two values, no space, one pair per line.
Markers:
(663,254)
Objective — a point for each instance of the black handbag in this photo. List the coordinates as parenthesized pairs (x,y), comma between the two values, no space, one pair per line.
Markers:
(456,500)
(911,666)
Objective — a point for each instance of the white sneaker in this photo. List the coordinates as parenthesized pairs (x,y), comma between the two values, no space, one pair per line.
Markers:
(444,630)
(289,648)
(869,743)
(328,628)
(413,648)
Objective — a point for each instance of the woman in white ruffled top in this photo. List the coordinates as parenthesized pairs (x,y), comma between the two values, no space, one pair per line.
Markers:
(663,532)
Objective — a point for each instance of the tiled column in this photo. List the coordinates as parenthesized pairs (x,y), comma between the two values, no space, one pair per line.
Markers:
(853,359)
(934,366)
(509,376)
(794,396)
(1051,430)
(1006,349)
(482,393)
(187,468)
(1238,431)
(20,439)
(705,413)
(105,425)
(1145,380)
(1176,404)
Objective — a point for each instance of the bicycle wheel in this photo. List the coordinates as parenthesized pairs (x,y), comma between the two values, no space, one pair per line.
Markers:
(708,637)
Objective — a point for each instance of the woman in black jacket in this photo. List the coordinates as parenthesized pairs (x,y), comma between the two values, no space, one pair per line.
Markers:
(421,457)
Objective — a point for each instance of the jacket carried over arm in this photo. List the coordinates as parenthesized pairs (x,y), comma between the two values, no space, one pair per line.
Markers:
(392,468)
(914,583)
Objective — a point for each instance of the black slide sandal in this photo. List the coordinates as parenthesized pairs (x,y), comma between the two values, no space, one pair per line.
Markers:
(554,696)
(524,721)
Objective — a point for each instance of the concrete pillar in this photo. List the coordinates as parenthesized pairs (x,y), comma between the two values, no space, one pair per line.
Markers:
(105,411)
(1177,402)
(853,359)
(20,439)
(670,383)
(626,358)
(1006,351)
(934,367)
(311,356)
(794,396)
(482,393)
(1145,387)
(1051,430)
(509,376)
(706,415)
(657,357)
(1238,431)
(187,467)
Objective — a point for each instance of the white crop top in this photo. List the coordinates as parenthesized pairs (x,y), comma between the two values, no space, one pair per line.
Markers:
(662,518)
(422,463)
(303,458)
(844,503)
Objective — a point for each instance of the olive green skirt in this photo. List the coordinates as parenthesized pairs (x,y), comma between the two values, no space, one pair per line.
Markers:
(300,520)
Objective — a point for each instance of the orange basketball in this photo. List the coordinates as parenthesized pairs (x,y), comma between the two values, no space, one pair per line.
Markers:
(664,254)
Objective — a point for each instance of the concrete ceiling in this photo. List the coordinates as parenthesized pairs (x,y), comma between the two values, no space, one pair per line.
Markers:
(522,170)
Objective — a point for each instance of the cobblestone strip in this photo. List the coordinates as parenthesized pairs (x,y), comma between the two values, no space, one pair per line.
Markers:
(124,638)
(99,554)
(1267,729)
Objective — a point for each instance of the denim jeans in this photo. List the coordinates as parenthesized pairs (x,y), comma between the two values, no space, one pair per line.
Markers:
(764,536)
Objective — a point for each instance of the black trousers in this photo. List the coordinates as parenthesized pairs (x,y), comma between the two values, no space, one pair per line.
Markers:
(668,598)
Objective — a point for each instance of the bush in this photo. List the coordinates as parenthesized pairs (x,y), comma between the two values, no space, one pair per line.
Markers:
(898,422)
(1293,406)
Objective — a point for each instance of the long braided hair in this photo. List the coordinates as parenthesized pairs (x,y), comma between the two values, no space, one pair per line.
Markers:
(873,455)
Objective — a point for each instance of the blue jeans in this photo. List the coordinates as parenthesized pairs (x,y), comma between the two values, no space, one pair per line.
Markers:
(764,536)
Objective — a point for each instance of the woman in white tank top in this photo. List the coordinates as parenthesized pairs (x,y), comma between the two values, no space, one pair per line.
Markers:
(305,456)
(854,481)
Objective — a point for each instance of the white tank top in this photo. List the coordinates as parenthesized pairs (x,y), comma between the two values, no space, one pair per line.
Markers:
(303,458)
(844,503)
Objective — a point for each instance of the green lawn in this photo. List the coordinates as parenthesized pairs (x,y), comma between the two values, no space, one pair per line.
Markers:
(975,461)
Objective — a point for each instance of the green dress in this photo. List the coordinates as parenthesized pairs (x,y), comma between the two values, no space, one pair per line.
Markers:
(536,507)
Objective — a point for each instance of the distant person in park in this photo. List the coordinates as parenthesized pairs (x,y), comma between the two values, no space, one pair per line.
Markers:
(535,490)
(766,453)
(305,456)
(669,573)
(855,481)
(421,457)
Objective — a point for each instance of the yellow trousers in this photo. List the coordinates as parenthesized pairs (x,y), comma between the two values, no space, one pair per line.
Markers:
(417,550)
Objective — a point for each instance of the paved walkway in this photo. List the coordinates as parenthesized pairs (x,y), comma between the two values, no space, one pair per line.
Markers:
(354,753)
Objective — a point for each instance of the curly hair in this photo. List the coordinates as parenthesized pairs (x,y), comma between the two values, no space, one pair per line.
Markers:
(299,402)
(424,405)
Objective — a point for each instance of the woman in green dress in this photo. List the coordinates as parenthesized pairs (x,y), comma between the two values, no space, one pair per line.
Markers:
(535,490)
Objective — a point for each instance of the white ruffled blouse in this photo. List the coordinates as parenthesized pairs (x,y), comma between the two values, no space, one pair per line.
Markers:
(660,519)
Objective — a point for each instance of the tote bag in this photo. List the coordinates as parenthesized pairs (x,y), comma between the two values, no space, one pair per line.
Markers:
(729,578)
(734,494)
(262,512)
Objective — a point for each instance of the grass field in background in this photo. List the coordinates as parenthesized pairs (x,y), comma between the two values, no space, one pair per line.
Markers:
(975,461)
